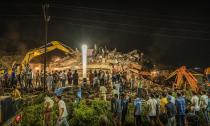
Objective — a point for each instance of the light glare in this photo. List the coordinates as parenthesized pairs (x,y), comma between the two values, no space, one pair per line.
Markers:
(84,60)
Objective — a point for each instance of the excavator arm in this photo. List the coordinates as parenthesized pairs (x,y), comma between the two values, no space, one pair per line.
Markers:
(207,73)
(50,47)
(180,74)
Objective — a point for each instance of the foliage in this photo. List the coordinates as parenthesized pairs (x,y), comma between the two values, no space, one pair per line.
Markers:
(33,115)
(130,117)
(39,99)
(33,112)
(86,114)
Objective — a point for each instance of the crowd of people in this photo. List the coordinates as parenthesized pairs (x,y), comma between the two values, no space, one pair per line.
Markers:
(165,109)
(160,107)
(26,79)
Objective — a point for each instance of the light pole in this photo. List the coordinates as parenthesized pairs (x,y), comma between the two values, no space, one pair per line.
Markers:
(45,7)
(84,61)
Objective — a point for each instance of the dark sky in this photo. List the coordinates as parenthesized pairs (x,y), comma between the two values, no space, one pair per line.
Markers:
(170,33)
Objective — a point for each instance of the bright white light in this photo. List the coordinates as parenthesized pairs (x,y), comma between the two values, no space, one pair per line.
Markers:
(84,60)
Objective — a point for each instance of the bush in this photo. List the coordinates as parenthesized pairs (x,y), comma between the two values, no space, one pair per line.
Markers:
(33,115)
(86,114)
(33,112)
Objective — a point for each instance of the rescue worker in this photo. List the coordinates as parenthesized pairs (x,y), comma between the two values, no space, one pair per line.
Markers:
(48,105)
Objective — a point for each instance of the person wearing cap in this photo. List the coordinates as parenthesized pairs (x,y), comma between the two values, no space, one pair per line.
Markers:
(59,91)
(62,112)
(48,105)
(171,112)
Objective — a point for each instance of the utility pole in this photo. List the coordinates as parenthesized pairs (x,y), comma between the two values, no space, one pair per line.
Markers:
(45,8)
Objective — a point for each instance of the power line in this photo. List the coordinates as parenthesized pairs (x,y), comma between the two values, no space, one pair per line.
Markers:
(137,32)
(98,9)
(116,29)
(120,13)
(116,11)
(129,25)
(124,15)
(114,23)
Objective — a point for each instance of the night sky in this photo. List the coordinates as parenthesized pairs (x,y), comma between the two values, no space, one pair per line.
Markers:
(169,33)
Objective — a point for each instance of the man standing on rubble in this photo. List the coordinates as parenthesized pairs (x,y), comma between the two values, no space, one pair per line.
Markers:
(139,86)
(13,78)
(63,78)
(29,79)
(19,76)
(38,79)
(49,80)
(69,77)
(132,82)
(91,76)
(75,78)
(103,91)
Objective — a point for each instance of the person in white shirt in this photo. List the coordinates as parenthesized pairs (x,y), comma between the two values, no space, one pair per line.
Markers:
(195,103)
(117,86)
(204,104)
(62,112)
(204,100)
(114,91)
(171,97)
(103,91)
(152,103)
(95,81)
(63,78)
(49,82)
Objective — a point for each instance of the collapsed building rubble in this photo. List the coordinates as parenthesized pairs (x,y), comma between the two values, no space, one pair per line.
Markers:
(133,62)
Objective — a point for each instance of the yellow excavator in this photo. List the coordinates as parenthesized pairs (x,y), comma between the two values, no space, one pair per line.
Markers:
(50,47)
(37,52)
